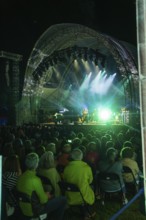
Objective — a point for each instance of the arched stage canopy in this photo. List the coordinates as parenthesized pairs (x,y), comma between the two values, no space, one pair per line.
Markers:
(54,80)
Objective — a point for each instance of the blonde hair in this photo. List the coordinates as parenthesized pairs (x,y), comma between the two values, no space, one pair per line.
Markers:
(47,160)
(51,147)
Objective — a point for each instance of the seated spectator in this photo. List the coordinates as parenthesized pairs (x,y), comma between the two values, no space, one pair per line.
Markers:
(72,135)
(127,155)
(110,164)
(51,147)
(63,158)
(47,169)
(4,211)
(79,173)
(40,150)
(129,144)
(11,172)
(30,184)
(76,142)
(19,150)
(84,151)
(85,142)
(92,156)
(80,135)
(28,146)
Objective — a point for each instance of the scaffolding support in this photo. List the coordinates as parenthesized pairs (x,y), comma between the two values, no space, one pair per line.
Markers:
(141,48)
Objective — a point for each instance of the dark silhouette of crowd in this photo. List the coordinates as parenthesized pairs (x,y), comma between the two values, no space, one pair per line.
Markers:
(76,154)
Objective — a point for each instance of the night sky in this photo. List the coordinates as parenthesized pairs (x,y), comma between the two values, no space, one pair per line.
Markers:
(22,22)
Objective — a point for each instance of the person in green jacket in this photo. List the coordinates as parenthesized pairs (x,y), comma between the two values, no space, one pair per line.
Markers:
(79,173)
(31,185)
(48,169)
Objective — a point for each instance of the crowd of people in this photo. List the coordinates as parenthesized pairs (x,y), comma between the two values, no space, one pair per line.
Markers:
(74,154)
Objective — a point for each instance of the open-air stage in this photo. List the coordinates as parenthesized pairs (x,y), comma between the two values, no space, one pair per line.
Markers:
(90,126)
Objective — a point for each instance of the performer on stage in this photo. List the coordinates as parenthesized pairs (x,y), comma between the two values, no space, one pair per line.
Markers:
(85,115)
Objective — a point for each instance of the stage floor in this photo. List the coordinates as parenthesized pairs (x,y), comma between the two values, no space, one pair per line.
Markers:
(85,123)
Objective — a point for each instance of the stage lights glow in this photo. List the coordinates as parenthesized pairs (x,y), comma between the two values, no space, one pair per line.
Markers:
(75,53)
(104,114)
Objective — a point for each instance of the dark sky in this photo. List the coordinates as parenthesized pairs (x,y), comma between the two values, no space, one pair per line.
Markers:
(23,21)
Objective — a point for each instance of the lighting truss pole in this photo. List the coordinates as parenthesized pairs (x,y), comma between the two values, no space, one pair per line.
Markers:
(141,47)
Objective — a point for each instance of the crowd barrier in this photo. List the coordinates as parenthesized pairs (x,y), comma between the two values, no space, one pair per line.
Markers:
(115,216)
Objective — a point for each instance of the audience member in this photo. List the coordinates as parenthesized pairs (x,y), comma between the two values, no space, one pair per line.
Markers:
(51,147)
(30,184)
(47,169)
(11,172)
(110,164)
(79,173)
(92,156)
(63,157)
(127,155)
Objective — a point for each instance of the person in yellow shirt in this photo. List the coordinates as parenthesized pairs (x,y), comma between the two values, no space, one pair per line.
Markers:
(79,173)
(127,155)
(31,185)
(47,168)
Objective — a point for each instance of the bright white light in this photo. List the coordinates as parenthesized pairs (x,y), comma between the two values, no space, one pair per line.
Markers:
(102,83)
(104,114)
(85,84)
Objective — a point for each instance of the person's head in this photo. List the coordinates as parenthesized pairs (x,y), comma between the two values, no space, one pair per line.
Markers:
(109,144)
(127,144)
(47,160)
(76,142)
(85,141)
(91,146)
(28,144)
(120,136)
(111,154)
(127,152)
(66,148)
(31,161)
(10,138)
(80,135)
(8,150)
(72,135)
(51,147)
(40,150)
(12,164)
(18,143)
(108,137)
(76,154)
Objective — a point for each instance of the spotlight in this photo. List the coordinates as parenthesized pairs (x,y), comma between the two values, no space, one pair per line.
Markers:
(105,114)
